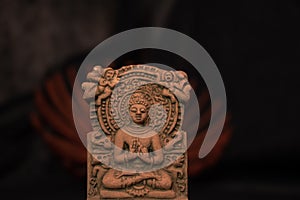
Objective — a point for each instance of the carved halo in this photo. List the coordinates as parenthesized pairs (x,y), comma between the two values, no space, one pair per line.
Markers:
(113,113)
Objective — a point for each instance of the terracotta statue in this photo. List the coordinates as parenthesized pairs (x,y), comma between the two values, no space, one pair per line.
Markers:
(137,148)
(138,139)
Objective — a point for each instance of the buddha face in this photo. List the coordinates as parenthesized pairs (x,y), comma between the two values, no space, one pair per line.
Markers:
(138,113)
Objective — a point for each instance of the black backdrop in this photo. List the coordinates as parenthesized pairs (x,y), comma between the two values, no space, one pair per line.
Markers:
(255,45)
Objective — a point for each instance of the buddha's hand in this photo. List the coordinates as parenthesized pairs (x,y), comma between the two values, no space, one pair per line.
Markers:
(145,157)
(143,149)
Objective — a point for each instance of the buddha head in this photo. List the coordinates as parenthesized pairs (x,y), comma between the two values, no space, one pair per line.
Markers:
(139,105)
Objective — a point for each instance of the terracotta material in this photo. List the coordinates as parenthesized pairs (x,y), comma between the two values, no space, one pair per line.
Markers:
(137,148)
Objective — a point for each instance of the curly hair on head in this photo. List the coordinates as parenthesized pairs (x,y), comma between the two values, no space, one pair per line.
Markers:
(140,97)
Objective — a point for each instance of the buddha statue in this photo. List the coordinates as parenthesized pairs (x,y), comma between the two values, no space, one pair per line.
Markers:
(139,147)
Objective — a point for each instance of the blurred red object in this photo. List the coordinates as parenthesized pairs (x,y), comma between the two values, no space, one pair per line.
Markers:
(53,120)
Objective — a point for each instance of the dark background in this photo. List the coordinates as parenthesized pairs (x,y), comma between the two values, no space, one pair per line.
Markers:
(255,45)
